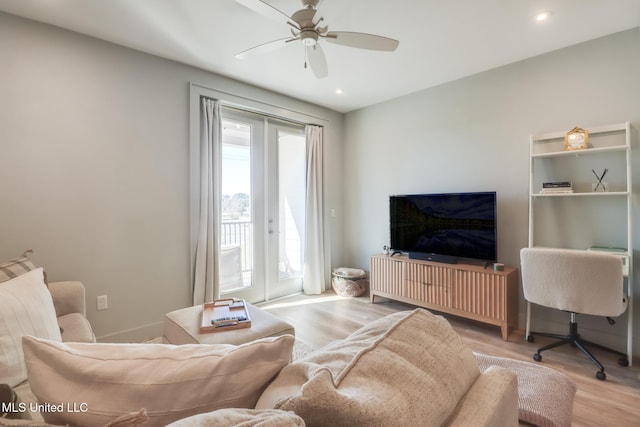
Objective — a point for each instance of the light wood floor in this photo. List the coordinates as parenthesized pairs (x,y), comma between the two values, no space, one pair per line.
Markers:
(615,402)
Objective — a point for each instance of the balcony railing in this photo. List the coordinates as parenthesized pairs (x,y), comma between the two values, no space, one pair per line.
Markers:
(239,233)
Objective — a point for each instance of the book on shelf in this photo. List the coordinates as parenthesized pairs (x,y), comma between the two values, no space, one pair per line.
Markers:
(609,249)
(556,191)
(557,184)
(556,187)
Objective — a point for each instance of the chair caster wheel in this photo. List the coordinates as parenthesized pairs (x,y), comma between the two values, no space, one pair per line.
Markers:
(537,357)
(601,375)
(623,361)
(530,338)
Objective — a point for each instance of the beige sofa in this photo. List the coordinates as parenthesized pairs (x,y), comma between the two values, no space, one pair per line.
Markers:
(409,368)
(406,367)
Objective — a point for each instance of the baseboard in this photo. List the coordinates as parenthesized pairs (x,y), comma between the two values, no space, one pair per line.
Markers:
(139,334)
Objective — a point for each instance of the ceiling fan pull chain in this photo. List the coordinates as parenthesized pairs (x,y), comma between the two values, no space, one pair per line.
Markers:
(305,56)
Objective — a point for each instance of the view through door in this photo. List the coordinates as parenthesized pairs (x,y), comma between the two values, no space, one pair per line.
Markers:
(263,200)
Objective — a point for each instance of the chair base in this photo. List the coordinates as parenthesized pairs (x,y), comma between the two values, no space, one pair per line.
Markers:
(574,339)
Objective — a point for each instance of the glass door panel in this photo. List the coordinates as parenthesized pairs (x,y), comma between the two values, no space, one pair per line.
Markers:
(241,230)
(287,209)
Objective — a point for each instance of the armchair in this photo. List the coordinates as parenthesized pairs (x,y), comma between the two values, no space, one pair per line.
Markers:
(69,302)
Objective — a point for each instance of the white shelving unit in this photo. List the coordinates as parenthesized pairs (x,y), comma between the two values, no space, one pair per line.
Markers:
(584,218)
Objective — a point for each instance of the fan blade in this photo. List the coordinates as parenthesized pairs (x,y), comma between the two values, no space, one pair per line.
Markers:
(264,48)
(362,40)
(269,11)
(318,61)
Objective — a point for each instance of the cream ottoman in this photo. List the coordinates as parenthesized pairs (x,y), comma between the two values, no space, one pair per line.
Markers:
(183,327)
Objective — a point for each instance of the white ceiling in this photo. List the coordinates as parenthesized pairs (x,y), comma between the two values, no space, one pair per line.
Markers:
(440,40)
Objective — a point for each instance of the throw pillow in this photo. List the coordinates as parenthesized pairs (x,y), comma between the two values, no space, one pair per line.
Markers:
(171,382)
(407,368)
(16,266)
(26,308)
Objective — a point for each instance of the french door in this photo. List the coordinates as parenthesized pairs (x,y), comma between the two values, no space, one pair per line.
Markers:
(263,206)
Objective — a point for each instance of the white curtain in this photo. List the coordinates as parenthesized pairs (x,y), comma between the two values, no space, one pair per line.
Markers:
(313,274)
(205,281)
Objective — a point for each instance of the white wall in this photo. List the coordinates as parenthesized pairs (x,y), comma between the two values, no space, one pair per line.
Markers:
(473,135)
(94,143)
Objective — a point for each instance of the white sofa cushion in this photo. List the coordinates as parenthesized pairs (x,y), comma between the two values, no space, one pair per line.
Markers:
(171,382)
(26,308)
(405,369)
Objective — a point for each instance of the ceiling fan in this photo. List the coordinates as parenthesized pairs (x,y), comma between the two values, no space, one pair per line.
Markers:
(306,28)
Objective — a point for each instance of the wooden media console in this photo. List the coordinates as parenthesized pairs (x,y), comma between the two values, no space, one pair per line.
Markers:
(464,290)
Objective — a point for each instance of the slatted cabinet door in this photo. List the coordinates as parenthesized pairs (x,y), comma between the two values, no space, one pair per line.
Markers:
(486,297)
(428,283)
(480,294)
(386,277)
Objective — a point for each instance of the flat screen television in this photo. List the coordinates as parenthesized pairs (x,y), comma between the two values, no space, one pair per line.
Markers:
(445,227)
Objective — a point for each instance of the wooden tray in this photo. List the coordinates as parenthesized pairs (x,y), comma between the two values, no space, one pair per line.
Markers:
(224,315)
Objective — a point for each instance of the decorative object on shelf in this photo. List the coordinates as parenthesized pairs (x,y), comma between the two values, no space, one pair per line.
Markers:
(600,185)
(576,139)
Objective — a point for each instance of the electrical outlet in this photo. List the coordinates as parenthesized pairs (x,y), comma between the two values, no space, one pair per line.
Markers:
(102,303)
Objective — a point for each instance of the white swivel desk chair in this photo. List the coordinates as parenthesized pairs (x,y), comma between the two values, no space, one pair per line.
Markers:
(576,281)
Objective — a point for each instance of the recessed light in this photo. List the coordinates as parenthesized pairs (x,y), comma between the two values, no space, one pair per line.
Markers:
(339,91)
(543,16)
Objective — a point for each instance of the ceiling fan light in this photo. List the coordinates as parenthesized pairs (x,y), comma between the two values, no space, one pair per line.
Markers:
(308,37)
